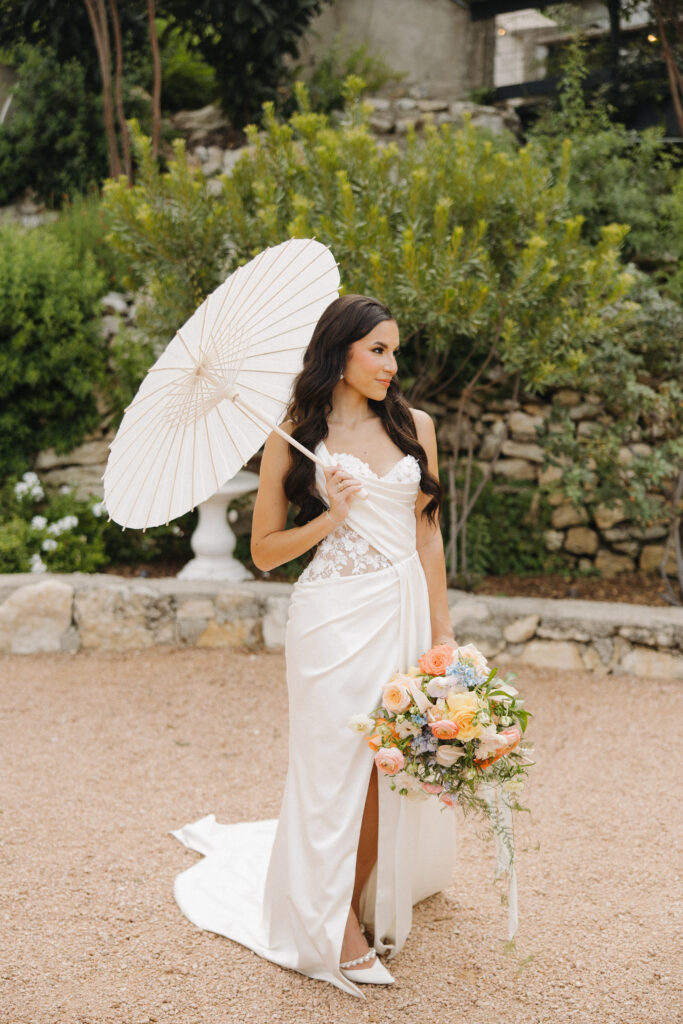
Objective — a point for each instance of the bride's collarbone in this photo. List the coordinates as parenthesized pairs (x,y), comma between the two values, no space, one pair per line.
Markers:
(368,452)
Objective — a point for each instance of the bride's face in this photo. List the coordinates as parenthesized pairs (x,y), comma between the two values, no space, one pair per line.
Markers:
(371,361)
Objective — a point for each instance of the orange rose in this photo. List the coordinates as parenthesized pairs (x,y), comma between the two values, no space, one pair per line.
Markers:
(444,730)
(436,660)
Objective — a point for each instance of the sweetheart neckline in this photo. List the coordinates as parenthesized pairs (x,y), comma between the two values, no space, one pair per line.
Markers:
(364,463)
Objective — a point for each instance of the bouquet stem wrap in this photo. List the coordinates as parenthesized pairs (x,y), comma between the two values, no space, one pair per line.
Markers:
(501,816)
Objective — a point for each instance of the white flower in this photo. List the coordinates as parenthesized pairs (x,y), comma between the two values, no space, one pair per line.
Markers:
(30,478)
(62,525)
(29,485)
(513,785)
(407,728)
(176,531)
(361,723)
(489,742)
(49,544)
(98,509)
(446,756)
(66,488)
(233,515)
(37,564)
(440,686)
(475,656)
(20,489)
(38,523)
(506,720)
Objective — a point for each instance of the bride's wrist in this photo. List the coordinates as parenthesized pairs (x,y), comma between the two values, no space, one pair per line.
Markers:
(443,638)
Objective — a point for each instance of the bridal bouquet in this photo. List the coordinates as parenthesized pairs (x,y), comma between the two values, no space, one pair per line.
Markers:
(449,729)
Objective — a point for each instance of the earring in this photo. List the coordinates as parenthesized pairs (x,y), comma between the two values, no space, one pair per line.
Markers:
(341,376)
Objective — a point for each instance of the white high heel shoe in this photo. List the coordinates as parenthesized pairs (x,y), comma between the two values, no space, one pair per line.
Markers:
(375,975)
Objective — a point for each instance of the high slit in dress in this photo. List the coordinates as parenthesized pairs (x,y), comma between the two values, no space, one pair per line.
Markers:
(358,613)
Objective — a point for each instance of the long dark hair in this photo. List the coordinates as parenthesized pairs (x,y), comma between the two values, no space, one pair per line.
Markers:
(345,320)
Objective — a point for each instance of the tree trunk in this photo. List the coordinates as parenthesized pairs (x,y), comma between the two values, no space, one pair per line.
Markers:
(672,70)
(156,94)
(98,22)
(118,88)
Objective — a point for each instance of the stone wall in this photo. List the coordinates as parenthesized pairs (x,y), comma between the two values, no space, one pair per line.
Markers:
(80,612)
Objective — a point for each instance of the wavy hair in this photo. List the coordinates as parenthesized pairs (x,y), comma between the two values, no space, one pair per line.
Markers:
(345,320)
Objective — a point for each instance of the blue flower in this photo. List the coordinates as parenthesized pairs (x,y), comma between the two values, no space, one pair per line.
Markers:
(426,743)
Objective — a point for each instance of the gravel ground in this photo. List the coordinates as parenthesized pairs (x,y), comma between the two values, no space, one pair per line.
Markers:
(102,755)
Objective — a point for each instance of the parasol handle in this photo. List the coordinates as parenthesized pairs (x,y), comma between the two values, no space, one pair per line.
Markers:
(248,408)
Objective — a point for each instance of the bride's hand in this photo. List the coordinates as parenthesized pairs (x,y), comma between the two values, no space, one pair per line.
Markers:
(341,490)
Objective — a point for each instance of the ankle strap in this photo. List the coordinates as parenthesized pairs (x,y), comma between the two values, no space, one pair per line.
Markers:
(361,959)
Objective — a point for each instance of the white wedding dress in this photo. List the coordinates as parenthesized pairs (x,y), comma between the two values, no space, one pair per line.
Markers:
(358,612)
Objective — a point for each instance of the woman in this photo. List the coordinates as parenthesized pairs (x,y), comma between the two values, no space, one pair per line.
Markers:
(347,855)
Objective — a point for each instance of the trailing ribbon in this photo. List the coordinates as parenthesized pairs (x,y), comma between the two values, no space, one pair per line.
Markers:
(501,817)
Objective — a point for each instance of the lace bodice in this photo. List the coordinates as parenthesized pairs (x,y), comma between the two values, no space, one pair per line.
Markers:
(343,552)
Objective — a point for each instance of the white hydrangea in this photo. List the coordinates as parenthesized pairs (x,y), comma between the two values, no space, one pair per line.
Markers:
(37,564)
(98,509)
(49,544)
(38,523)
(62,525)
(66,488)
(29,486)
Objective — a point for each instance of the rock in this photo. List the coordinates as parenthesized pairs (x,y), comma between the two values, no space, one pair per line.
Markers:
(628,547)
(378,102)
(649,532)
(641,450)
(520,630)
(406,103)
(651,558)
(87,480)
(515,469)
(592,661)
(584,411)
(588,428)
(382,124)
(549,475)
(212,167)
(489,445)
(275,623)
(231,156)
(625,456)
(580,540)
(206,119)
(610,564)
(567,514)
(405,122)
(432,106)
(653,665)
(605,648)
(523,427)
(491,646)
(115,617)
(36,618)
(530,452)
(554,539)
(90,453)
(115,302)
(552,654)
(569,632)
(607,517)
(638,635)
(236,633)
(469,614)
(236,604)
(197,608)
(566,397)
(214,187)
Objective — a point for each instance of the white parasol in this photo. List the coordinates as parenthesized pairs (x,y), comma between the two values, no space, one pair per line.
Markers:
(220,387)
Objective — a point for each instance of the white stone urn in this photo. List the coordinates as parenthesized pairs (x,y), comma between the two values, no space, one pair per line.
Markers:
(213,542)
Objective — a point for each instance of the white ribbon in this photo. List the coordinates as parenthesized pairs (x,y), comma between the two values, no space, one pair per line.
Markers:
(501,816)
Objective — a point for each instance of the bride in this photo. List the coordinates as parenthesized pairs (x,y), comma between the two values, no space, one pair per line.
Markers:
(348,857)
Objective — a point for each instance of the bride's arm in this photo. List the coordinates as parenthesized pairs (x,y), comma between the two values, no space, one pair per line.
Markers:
(271,543)
(429,540)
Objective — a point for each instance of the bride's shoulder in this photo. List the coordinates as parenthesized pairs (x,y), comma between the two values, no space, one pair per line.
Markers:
(424,423)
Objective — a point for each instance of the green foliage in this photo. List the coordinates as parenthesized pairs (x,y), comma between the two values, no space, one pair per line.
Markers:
(83,226)
(51,355)
(187,81)
(53,142)
(325,82)
(247,43)
(55,531)
(614,174)
(171,232)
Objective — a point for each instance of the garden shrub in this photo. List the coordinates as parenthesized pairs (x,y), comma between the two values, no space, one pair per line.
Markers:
(53,141)
(48,529)
(325,80)
(51,352)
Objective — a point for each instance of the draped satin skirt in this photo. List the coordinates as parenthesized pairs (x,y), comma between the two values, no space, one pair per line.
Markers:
(283,888)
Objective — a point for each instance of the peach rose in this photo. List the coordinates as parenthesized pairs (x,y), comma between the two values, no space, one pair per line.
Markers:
(436,660)
(462,707)
(395,697)
(476,657)
(448,799)
(435,713)
(513,735)
(444,730)
(431,787)
(389,761)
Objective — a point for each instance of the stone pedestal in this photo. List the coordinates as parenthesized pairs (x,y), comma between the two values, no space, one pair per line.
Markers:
(213,542)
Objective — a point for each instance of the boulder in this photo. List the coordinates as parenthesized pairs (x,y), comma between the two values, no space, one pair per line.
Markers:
(90,453)
(205,120)
(580,540)
(236,633)
(552,654)
(523,427)
(652,665)
(36,618)
(116,617)
(567,514)
(607,517)
(610,564)
(521,630)
(275,623)
(651,558)
(515,469)
(517,449)
(566,397)
(554,539)
(549,475)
